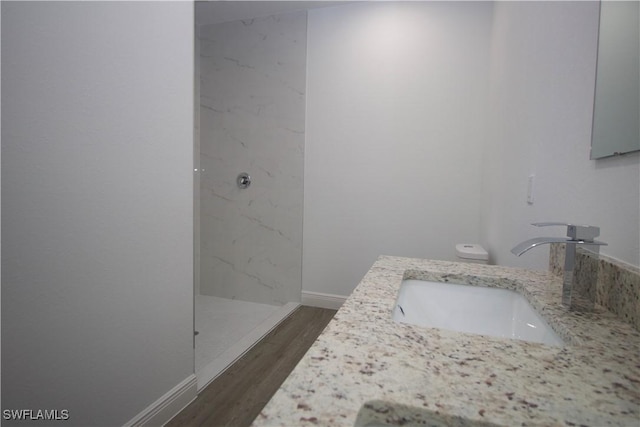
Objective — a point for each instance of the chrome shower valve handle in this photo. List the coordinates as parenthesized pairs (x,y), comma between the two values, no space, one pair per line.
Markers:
(244,180)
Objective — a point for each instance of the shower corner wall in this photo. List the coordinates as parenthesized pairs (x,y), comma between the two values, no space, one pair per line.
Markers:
(251,90)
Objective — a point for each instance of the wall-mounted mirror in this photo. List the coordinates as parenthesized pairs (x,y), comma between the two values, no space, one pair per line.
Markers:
(616,115)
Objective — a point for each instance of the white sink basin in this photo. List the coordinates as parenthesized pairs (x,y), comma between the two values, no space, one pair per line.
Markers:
(473,309)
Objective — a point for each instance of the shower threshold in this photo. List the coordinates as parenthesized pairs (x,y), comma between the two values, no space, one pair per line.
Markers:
(237,337)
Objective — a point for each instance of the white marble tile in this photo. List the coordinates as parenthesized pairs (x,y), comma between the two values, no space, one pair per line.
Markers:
(252,120)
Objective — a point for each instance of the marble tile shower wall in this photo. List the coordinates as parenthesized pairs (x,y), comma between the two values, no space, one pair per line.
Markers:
(614,284)
(252,92)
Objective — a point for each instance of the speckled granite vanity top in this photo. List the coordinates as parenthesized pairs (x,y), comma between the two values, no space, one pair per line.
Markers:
(400,374)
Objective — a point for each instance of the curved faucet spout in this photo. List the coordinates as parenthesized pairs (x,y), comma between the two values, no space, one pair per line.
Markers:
(537,241)
(576,235)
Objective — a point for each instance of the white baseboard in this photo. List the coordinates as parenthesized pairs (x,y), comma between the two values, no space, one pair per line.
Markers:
(317,299)
(165,408)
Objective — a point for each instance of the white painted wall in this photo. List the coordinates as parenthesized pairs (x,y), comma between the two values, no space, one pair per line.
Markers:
(396,95)
(541,103)
(97,219)
(411,147)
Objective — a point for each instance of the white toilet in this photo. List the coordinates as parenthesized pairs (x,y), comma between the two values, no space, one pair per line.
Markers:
(471,252)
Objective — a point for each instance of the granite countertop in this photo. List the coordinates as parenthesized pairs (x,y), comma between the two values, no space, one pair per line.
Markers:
(367,367)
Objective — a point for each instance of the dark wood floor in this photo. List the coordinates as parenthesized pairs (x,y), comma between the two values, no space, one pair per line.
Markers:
(237,396)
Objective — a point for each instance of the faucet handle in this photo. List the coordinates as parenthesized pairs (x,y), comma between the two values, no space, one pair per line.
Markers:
(575,232)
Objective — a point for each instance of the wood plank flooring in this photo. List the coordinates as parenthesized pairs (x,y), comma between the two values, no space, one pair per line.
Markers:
(237,396)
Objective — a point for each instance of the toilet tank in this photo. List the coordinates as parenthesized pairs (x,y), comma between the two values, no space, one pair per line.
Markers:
(472,252)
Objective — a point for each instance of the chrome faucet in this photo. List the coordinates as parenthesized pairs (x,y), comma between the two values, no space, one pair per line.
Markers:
(576,235)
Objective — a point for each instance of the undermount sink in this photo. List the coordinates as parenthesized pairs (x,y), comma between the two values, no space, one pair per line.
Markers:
(473,309)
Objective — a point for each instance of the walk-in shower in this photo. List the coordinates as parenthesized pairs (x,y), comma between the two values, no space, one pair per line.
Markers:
(249,165)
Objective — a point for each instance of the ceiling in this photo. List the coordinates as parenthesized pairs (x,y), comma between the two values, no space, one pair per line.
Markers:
(214,11)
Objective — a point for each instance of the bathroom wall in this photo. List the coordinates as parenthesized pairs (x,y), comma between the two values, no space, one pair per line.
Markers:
(252,120)
(541,99)
(97,237)
(396,101)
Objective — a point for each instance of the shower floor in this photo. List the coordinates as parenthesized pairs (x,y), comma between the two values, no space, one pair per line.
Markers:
(227,329)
